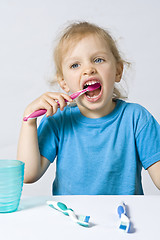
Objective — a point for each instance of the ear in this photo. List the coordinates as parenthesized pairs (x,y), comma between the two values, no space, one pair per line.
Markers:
(119,72)
(63,84)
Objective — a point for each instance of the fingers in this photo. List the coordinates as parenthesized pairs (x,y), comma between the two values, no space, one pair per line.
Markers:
(51,102)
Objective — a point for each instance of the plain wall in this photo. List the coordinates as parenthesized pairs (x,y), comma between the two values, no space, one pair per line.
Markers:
(27,33)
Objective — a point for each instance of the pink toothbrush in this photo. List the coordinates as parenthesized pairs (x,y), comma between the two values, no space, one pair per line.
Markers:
(41,112)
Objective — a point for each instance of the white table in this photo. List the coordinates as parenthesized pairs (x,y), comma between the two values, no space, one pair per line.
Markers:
(36,220)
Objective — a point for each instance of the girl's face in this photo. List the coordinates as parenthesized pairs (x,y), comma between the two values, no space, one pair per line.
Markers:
(90,61)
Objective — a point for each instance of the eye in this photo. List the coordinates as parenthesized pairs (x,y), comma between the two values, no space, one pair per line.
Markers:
(99,60)
(75,65)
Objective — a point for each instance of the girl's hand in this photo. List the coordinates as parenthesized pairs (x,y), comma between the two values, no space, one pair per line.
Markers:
(48,101)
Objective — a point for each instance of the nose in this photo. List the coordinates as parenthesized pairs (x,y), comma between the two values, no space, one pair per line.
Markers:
(89,70)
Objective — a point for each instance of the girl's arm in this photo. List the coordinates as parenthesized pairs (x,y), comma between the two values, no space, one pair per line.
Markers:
(28,149)
(154,172)
(28,152)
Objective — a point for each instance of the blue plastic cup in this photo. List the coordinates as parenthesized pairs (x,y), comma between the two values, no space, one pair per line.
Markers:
(11,184)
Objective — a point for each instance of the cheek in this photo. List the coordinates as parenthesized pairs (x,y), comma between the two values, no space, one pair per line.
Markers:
(110,77)
(110,74)
(73,87)
(72,81)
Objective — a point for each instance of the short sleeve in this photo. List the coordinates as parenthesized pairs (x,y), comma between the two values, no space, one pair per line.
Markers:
(148,142)
(48,138)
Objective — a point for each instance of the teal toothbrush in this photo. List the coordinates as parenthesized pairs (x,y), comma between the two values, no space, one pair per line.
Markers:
(81,220)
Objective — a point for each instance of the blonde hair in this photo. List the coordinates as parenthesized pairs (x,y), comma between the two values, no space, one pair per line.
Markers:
(74,33)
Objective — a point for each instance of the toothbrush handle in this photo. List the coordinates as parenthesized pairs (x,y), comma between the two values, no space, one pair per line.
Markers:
(77,94)
(121,209)
(41,112)
(35,114)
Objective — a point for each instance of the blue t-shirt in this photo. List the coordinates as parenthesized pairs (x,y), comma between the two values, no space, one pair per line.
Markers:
(103,155)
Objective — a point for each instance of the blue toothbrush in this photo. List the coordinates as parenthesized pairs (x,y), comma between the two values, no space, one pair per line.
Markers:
(124,220)
(81,220)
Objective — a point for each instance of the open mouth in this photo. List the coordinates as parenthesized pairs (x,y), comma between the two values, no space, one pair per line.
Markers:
(93,95)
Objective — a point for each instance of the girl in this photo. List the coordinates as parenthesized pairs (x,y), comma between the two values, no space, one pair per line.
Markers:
(101,143)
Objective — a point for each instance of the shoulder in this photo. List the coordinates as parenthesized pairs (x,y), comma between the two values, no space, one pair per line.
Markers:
(135,115)
(135,110)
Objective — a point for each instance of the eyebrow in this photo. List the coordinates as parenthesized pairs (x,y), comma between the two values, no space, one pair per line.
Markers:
(101,52)
(94,54)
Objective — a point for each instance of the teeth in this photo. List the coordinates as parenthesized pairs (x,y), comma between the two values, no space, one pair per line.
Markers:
(91,82)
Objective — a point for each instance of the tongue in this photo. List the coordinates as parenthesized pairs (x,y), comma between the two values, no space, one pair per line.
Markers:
(93,93)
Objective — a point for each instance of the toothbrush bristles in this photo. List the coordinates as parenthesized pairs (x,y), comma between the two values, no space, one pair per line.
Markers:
(84,218)
(123,227)
(87,219)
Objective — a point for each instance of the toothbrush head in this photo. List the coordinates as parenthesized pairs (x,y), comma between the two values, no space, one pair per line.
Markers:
(125,223)
(93,87)
(83,220)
